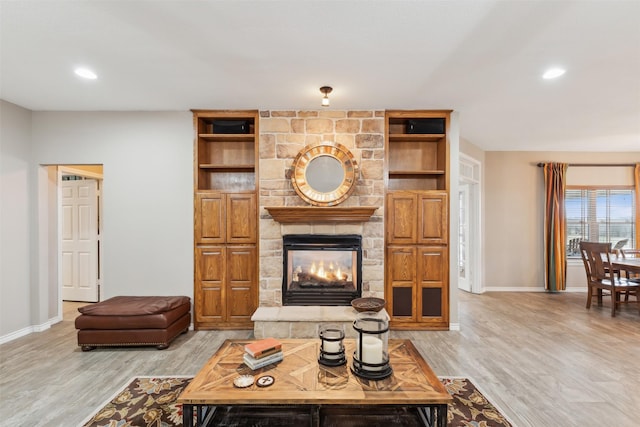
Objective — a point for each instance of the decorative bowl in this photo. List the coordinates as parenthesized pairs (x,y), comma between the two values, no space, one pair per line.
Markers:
(368,304)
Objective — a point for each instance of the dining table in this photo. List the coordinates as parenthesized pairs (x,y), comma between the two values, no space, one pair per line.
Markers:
(630,265)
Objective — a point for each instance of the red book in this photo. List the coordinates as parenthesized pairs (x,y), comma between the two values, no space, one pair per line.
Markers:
(262,347)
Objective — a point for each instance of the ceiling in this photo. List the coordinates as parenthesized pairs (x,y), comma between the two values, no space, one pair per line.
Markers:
(481,58)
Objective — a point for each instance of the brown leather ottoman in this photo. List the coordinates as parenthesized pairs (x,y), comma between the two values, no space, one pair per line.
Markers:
(132,320)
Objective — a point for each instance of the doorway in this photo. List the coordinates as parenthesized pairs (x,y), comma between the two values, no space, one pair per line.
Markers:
(469,274)
(79,232)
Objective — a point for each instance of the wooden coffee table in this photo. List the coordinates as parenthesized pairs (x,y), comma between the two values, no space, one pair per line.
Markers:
(301,382)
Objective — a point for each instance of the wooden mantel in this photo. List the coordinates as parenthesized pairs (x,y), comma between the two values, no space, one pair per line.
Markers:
(302,214)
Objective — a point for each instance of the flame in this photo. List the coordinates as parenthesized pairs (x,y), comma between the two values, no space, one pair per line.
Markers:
(332,271)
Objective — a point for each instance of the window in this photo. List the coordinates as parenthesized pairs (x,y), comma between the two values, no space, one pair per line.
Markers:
(599,215)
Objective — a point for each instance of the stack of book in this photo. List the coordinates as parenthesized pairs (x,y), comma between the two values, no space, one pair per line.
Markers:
(262,353)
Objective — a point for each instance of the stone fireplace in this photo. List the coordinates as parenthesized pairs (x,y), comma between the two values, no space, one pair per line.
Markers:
(282,135)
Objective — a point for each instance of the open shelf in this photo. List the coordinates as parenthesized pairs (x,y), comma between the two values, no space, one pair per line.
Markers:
(416,137)
(417,172)
(416,161)
(245,137)
(226,161)
(228,168)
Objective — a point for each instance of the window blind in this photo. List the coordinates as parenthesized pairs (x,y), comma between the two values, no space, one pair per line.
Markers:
(600,215)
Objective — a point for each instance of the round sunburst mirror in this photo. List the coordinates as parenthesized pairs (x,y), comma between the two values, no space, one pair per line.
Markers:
(324,174)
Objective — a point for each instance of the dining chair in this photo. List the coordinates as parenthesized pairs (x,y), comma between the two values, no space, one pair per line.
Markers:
(600,277)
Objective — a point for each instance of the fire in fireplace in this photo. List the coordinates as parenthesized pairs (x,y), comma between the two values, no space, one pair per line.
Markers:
(321,269)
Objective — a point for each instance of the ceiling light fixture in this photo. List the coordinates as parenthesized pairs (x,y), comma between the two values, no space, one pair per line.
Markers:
(553,73)
(326,90)
(86,73)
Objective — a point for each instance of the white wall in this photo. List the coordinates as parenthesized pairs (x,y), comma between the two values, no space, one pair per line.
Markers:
(148,206)
(513,212)
(15,280)
(147,192)
(454,206)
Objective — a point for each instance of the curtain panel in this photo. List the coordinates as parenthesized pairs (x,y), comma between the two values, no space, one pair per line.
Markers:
(555,227)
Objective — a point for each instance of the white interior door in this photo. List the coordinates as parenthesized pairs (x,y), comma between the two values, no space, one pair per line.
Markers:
(469,255)
(79,240)
(464,269)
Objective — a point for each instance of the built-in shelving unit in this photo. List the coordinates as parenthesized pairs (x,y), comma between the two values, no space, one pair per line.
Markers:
(226,218)
(417,219)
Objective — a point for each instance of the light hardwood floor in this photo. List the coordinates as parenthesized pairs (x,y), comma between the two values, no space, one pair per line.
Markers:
(542,358)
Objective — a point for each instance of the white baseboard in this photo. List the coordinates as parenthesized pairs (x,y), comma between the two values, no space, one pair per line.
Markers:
(55,320)
(30,329)
(531,289)
(39,328)
(576,289)
(15,335)
(454,326)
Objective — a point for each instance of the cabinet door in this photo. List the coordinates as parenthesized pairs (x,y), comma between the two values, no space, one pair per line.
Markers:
(432,284)
(241,283)
(402,222)
(209,218)
(210,279)
(401,283)
(433,218)
(241,217)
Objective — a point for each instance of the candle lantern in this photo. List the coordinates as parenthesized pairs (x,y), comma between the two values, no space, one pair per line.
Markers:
(331,345)
(371,358)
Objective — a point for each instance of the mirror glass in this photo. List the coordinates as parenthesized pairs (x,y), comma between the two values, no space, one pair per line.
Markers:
(324,174)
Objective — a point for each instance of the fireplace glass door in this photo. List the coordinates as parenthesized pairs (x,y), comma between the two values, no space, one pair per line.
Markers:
(322,269)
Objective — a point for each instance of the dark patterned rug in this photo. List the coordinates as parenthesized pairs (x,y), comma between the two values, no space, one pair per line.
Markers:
(151,402)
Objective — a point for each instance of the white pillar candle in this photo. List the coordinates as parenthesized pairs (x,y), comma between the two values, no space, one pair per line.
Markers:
(371,351)
(331,346)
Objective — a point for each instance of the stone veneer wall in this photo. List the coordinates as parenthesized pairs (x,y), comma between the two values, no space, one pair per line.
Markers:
(282,135)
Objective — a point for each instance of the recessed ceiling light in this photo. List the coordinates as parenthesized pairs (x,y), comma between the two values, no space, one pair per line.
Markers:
(553,73)
(86,73)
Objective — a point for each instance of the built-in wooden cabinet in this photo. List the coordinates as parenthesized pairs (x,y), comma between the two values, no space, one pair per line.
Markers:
(225,219)
(417,219)
(209,218)
(417,278)
(401,218)
(433,218)
(226,278)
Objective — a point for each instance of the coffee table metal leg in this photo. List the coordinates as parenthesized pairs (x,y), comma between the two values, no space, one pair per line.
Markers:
(315,415)
(441,411)
(426,416)
(199,415)
(433,416)
(205,415)
(187,415)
